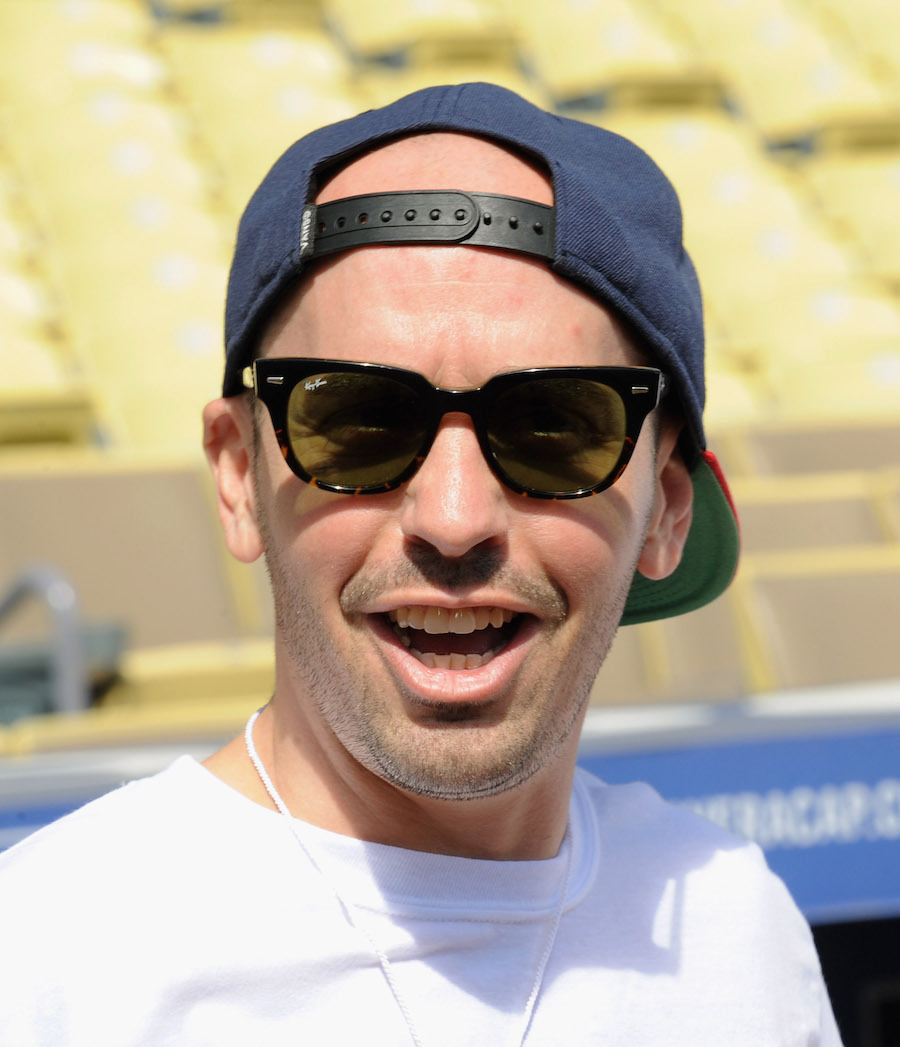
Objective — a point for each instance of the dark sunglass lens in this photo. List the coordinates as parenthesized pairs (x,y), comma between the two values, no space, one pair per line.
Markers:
(354,430)
(558,435)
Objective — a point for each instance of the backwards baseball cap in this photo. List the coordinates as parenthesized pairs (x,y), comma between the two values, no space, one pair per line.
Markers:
(615,230)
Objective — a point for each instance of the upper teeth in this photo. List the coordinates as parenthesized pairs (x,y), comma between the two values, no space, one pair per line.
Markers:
(449,620)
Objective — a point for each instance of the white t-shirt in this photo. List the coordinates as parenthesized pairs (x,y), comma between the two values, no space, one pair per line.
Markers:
(176,911)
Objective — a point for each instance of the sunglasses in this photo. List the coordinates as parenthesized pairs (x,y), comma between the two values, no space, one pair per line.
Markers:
(546,432)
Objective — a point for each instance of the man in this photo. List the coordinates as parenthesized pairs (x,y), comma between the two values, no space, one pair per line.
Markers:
(461,419)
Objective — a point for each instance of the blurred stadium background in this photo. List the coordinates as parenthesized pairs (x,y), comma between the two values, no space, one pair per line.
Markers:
(132,133)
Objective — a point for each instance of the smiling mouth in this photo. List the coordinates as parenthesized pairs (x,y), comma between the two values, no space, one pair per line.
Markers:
(454,638)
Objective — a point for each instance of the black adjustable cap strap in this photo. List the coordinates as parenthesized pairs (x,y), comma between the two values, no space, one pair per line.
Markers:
(428,217)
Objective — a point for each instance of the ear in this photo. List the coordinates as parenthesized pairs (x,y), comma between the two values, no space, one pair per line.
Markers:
(672,509)
(228,443)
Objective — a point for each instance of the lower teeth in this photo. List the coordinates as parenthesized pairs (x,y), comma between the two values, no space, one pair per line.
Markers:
(452,661)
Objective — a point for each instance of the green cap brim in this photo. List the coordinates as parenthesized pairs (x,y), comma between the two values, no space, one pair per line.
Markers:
(709,559)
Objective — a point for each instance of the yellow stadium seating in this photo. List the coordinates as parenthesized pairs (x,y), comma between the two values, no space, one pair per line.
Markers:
(816,510)
(137,258)
(697,657)
(67,20)
(859,191)
(40,400)
(18,242)
(443,28)
(280,85)
(871,28)
(153,355)
(181,723)
(110,146)
(278,14)
(24,301)
(137,537)
(788,76)
(210,672)
(840,389)
(606,49)
(822,617)
(821,445)
(78,47)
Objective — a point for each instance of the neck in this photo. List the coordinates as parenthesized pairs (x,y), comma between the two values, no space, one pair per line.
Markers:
(333,791)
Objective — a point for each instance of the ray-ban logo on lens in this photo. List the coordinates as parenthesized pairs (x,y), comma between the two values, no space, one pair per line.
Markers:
(310,386)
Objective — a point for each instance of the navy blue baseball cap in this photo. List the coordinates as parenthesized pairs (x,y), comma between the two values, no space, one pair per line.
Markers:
(615,230)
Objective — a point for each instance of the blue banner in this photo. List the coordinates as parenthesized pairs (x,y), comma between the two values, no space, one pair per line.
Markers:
(825,808)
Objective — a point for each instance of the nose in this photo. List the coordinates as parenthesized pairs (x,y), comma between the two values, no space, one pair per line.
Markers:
(454,503)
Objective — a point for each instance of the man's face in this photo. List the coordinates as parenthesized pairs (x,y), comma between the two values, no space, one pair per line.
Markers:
(445,635)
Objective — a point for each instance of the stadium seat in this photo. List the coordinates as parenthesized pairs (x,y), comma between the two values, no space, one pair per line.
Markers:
(41,400)
(213,672)
(18,239)
(78,47)
(608,51)
(834,353)
(859,192)
(25,303)
(871,28)
(41,397)
(694,657)
(786,74)
(736,395)
(823,316)
(208,724)
(172,694)
(271,14)
(138,261)
(280,85)
(446,28)
(867,382)
(820,445)
(824,616)
(823,510)
(63,19)
(158,340)
(108,147)
(137,537)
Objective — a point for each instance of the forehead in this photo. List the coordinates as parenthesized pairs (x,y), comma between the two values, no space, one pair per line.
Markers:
(456,314)
(441,160)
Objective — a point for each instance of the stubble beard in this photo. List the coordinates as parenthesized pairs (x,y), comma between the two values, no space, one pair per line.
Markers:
(455,756)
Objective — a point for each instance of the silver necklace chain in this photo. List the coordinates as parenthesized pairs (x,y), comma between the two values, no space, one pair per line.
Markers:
(387,968)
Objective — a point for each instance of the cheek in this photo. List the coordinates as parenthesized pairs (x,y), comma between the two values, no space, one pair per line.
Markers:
(326,536)
(590,546)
